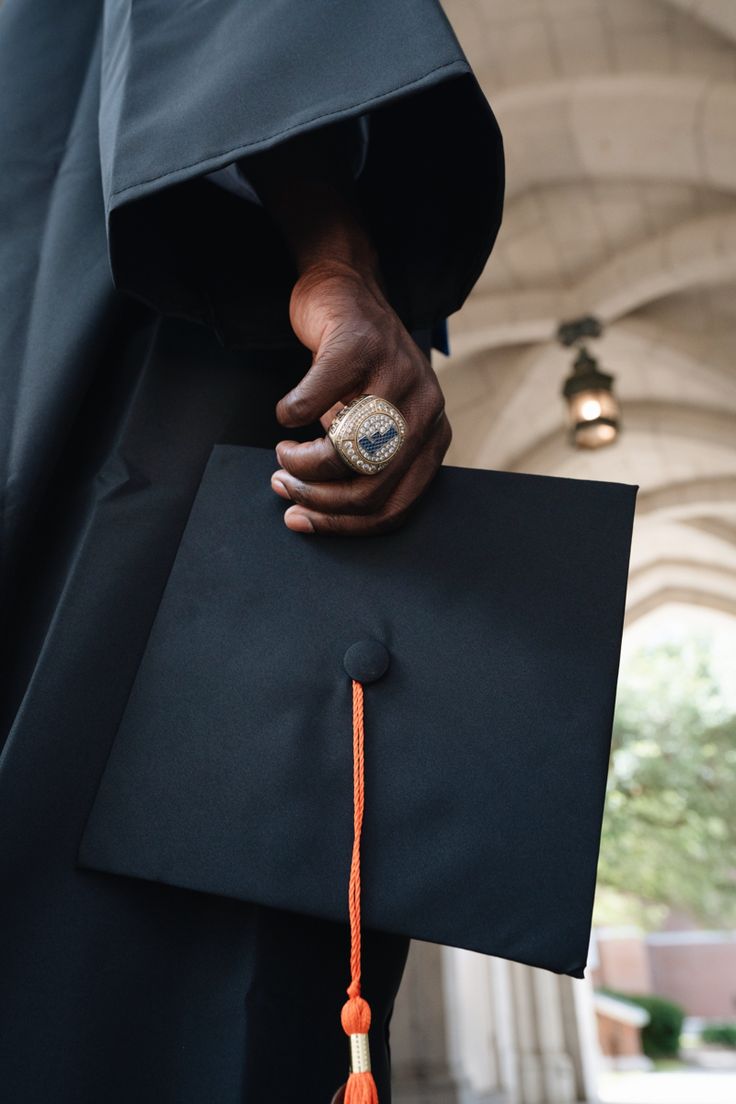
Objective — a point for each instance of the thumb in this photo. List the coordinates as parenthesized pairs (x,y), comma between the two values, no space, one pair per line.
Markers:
(337,374)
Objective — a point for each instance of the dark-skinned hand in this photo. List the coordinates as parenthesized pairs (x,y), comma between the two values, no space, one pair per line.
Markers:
(360,347)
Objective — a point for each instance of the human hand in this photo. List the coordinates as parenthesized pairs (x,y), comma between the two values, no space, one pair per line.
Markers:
(360,346)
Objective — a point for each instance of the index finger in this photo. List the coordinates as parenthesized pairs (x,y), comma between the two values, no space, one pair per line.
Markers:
(336,375)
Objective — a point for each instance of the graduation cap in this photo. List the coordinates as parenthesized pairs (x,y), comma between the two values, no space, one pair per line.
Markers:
(410,730)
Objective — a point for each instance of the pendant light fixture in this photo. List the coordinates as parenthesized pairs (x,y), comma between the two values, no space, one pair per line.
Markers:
(594,414)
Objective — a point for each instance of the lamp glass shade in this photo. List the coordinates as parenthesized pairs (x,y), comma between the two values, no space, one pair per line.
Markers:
(594,417)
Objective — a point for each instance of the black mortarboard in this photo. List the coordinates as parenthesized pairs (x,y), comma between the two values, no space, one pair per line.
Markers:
(486,631)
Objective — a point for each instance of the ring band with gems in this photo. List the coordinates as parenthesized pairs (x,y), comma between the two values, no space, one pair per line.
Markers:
(367,433)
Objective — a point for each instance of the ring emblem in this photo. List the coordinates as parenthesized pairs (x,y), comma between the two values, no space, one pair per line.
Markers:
(368,433)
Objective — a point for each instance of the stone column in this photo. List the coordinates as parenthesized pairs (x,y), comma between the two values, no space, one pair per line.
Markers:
(419,1043)
(469,1029)
(581,1036)
(499,971)
(472,1025)
(546,1073)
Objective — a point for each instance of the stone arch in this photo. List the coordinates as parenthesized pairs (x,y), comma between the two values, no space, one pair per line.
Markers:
(715,426)
(674,563)
(667,128)
(719,15)
(682,595)
(692,254)
(695,497)
(696,577)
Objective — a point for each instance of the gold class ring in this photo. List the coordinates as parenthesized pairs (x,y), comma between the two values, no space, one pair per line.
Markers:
(367,433)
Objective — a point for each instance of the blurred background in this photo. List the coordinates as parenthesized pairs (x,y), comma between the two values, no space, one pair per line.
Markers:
(600,344)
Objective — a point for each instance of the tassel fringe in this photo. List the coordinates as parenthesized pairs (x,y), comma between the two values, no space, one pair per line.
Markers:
(361,1089)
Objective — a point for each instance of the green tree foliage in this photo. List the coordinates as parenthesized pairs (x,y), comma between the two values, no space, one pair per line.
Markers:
(720,1034)
(669,830)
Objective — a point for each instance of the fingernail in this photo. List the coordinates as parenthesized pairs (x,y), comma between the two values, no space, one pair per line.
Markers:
(280,488)
(300,523)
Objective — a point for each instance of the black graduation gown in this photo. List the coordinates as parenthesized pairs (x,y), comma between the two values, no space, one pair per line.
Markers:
(144,317)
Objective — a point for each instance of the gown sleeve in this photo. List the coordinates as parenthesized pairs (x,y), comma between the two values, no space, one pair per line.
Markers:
(349,145)
(187,90)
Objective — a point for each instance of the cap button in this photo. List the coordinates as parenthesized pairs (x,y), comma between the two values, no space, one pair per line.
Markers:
(366,660)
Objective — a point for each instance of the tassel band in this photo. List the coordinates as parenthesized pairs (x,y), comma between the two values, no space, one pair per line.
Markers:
(360,1055)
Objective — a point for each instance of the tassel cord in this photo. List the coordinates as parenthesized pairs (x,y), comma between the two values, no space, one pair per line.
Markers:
(356,1013)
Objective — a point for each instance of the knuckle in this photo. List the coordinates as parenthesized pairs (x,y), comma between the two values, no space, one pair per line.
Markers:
(350,504)
(336,466)
(297,407)
(345,362)
(361,337)
(393,515)
(445,437)
(370,499)
(299,493)
(321,470)
(403,380)
(436,405)
(283,454)
(332,523)
(291,461)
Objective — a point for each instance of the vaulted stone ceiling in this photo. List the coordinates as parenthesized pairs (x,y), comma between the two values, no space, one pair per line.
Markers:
(619,122)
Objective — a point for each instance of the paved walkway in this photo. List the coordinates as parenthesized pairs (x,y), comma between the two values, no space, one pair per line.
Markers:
(670,1087)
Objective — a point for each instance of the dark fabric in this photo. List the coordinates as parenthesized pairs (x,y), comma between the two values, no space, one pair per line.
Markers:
(111,989)
(501,605)
(343,146)
(440,338)
(143,109)
(265,71)
(112,113)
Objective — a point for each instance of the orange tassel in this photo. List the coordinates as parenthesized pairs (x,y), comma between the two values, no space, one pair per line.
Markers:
(361,1089)
(356,1020)
(356,1012)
